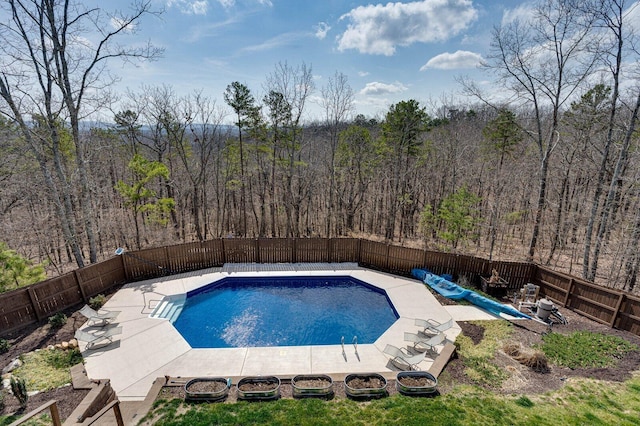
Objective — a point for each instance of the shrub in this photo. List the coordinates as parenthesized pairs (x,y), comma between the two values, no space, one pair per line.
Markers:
(523,401)
(19,389)
(57,320)
(97,302)
(512,349)
(4,346)
(537,361)
(62,359)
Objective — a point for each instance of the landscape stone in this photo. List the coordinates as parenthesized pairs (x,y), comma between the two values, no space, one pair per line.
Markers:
(12,366)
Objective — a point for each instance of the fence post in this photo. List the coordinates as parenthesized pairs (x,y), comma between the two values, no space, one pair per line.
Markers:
(224,251)
(79,284)
(34,303)
(125,271)
(614,316)
(256,250)
(568,295)
(294,251)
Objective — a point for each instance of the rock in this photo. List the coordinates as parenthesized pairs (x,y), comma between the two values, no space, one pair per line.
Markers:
(58,346)
(65,345)
(73,343)
(51,347)
(6,382)
(12,366)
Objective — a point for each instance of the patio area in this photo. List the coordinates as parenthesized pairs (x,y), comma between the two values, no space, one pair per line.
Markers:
(151,347)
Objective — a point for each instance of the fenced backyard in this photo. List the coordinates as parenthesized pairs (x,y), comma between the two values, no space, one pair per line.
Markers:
(22,307)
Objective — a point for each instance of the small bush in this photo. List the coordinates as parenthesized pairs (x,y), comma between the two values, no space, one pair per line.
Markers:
(57,320)
(63,359)
(525,402)
(537,361)
(97,302)
(19,389)
(4,346)
(512,349)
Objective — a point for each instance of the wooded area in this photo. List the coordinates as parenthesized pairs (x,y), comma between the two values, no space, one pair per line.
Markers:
(544,171)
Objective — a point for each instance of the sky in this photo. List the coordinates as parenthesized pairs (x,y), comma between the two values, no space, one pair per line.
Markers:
(389,52)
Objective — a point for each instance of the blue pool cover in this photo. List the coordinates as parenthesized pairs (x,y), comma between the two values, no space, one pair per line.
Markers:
(452,290)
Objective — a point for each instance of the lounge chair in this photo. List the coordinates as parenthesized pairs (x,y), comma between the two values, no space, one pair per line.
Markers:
(425,344)
(433,327)
(103,336)
(404,360)
(96,318)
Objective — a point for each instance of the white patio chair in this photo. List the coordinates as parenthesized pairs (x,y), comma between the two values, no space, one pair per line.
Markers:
(98,318)
(404,360)
(425,344)
(103,336)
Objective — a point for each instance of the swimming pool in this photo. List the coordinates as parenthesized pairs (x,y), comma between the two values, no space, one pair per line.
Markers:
(284,311)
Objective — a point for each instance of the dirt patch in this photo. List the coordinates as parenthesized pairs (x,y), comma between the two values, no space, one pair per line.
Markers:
(525,380)
(472,331)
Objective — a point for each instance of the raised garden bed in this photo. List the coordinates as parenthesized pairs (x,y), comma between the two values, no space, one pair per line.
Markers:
(417,383)
(207,389)
(365,385)
(304,385)
(259,388)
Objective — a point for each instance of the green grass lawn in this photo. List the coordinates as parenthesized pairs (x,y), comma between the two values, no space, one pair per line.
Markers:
(580,402)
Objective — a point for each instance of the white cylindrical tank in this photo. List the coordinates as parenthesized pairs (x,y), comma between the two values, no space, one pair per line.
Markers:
(545,306)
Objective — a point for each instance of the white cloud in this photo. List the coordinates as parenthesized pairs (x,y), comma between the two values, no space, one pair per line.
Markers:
(192,7)
(118,23)
(377,88)
(452,61)
(379,29)
(275,42)
(523,12)
(227,3)
(363,73)
(321,30)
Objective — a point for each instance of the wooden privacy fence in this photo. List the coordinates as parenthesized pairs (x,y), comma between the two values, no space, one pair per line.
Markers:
(616,308)
(32,304)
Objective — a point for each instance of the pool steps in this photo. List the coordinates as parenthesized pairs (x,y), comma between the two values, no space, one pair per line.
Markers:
(169,307)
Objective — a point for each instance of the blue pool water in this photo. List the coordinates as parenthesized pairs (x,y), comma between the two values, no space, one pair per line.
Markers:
(284,311)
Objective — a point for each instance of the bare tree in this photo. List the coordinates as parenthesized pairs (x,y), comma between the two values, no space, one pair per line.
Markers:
(542,62)
(295,84)
(611,17)
(49,70)
(337,103)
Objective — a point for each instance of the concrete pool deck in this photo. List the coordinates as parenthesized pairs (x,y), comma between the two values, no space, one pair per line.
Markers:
(151,347)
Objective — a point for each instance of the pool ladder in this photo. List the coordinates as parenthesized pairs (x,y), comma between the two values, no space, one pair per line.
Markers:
(355,346)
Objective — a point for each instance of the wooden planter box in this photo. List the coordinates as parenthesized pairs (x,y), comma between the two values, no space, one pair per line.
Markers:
(416,383)
(259,388)
(207,389)
(365,385)
(306,385)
